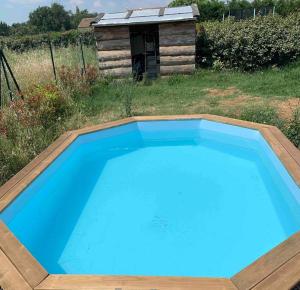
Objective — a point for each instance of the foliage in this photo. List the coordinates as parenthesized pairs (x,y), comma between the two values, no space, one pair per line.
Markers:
(4,29)
(292,129)
(28,126)
(77,82)
(50,18)
(261,114)
(250,44)
(58,39)
(214,9)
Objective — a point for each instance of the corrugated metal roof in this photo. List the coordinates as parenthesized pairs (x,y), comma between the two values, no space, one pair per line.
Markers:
(149,15)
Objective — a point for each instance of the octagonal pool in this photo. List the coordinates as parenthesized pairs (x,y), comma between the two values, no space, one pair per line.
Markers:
(166,198)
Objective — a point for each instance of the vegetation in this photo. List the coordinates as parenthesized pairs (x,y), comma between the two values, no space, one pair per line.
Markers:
(249,44)
(27,127)
(58,39)
(214,9)
(46,19)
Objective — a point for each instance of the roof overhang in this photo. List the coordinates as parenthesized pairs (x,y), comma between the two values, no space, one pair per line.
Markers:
(148,16)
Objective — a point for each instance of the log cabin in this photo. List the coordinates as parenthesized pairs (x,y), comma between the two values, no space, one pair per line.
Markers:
(151,41)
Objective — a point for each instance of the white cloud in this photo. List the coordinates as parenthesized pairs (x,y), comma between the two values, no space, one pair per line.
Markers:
(97,4)
(76,2)
(25,1)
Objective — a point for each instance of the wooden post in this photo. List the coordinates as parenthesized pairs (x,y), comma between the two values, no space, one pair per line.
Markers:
(0,91)
(254,13)
(6,78)
(5,63)
(52,59)
(82,55)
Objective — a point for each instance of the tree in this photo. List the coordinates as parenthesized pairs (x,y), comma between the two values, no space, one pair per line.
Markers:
(4,29)
(53,18)
(79,15)
(20,29)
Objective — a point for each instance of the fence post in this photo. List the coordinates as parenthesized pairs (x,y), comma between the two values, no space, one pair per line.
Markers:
(274,10)
(52,59)
(82,55)
(254,10)
(0,92)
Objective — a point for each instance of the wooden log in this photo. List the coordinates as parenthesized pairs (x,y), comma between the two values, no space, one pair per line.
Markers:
(118,72)
(177,60)
(115,64)
(179,28)
(177,50)
(113,55)
(174,40)
(111,33)
(115,44)
(177,69)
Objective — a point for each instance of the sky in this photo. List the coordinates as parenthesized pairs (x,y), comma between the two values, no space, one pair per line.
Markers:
(12,11)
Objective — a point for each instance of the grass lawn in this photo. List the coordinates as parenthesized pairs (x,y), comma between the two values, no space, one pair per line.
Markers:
(224,93)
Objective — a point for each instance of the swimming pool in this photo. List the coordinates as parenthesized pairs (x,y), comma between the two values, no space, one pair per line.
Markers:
(158,198)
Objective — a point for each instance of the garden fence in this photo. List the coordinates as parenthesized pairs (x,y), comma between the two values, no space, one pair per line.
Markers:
(9,80)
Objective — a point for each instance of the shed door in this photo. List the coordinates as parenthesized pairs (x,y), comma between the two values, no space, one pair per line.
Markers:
(145,50)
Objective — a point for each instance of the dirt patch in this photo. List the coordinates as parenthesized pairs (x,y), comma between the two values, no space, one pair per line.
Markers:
(287,107)
(221,92)
(241,100)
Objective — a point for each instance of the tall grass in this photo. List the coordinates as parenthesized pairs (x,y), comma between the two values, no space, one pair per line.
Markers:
(35,66)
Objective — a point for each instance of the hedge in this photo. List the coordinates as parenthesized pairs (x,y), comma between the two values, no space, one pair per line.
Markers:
(58,39)
(249,44)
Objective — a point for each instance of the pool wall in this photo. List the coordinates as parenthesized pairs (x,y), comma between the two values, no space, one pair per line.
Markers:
(19,270)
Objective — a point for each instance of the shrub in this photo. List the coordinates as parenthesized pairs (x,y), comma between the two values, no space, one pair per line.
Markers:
(58,39)
(250,44)
(263,114)
(28,126)
(292,129)
(76,82)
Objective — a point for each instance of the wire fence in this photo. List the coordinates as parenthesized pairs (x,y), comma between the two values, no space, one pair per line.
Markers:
(18,71)
(246,13)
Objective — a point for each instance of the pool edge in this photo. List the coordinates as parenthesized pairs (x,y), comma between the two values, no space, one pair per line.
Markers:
(280,267)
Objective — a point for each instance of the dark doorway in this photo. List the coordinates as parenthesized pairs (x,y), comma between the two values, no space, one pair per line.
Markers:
(144,41)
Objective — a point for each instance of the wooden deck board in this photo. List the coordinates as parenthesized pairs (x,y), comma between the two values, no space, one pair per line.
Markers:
(10,278)
(89,282)
(283,278)
(20,257)
(267,264)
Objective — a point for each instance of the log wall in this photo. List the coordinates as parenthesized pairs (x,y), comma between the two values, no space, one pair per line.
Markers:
(114,51)
(177,47)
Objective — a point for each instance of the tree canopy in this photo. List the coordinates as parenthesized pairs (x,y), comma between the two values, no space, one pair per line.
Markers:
(4,29)
(50,18)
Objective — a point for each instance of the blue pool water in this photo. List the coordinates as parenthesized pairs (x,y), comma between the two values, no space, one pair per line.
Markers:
(178,198)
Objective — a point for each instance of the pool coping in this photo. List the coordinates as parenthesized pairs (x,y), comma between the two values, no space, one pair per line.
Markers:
(277,269)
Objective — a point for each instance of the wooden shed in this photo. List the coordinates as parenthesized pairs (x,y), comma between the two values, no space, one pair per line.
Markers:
(156,41)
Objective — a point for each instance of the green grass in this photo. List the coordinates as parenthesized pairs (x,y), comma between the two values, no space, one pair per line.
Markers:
(206,91)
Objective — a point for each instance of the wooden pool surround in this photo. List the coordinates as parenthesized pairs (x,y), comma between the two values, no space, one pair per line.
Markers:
(279,269)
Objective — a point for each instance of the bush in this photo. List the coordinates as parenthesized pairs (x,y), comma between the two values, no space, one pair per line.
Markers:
(58,39)
(76,81)
(30,125)
(292,129)
(261,114)
(250,44)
